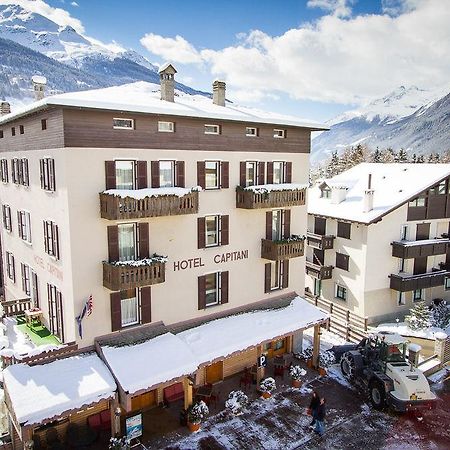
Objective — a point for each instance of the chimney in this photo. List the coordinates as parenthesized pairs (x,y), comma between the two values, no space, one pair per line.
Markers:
(5,108)
(368,196)
(338,194)
(219,92)
(39,83)
(167,78)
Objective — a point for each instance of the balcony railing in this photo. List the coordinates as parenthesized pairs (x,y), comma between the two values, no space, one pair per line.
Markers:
(114,207)
(417,249)
(249,199)
(121,277)
(279,250)
(16,307)
(318,271)
(319,241)
(405,282)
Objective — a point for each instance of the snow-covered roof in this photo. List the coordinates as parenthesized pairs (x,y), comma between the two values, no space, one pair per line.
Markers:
(393,185)
(39,79)
(144,97)
(45,391)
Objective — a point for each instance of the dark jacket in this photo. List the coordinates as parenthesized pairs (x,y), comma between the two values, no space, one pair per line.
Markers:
(315,402)
(320,414)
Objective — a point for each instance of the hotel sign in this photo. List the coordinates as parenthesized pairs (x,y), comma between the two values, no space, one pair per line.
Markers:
(219,258)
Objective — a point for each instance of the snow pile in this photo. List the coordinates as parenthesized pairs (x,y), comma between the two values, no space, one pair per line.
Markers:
(45,391)
(141,262)
(266,188)
(140,194)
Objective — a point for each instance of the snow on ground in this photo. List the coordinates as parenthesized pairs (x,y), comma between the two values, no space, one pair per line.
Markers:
(404,330)
(327,339)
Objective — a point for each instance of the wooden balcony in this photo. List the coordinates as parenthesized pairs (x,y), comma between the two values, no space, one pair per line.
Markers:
(405,282)
(114,207)
(279,250)
(16,307)
(248,199)
(120,277)
(318,271)
(319,241)
(417,249)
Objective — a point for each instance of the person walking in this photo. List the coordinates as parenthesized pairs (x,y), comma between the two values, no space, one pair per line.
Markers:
(314,404)
(320,418)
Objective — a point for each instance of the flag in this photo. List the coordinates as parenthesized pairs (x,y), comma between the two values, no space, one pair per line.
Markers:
(87,309)
(90,306)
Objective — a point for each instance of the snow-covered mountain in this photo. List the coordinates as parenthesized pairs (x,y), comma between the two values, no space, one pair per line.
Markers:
(410,118)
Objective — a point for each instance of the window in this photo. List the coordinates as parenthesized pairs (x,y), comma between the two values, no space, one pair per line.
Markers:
(166,173)
(26,278)
(440,189)
(16,174)
(278,172)
(402,265)
(212,231)
(212,129)
(166,127)
(212,175)
(251,131)
(4,170)
(55,311)
(51,238)
(279,134)
(1,134)
(325,192)
(127,241)
(344,230)
(10,267)
(418,295)
(47,172)
(129,307)
(123,124)
(212,289)
(417,202)
(251,173)
(277,225)
(44,124)
(400,298)
(21,129)
(447,284)
(342,261)
(19,171)
(125,174)
(317,286)
(24,225)
(341,292)
(275,275)
(13,131)
(6,214)
(404,232)
(279,344)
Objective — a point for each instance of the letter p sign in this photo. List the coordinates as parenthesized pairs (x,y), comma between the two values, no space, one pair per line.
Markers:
(262,361)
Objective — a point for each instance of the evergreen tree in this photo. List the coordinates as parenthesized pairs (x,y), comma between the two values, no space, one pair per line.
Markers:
(437,158)
(440,315)
(402,156)
(414,158)
(421,159)
(376,156)
(430,158)
(419,316)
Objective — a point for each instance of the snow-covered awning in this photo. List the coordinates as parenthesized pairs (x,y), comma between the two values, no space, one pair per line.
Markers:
(42,392)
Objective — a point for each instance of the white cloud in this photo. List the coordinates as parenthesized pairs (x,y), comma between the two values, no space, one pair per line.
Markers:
(175,49)
(74,4)
(339,8)
(335,59)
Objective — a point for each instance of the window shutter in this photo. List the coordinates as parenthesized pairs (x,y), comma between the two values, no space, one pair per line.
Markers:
(20,171)
(285,274)
(143,240)
(35,289)
(155,174)
(224,230)
(269,172)
(19,223)
(41,170)
(261,170)
(288,172)
(267,278)
(242,177)
(110,174)
(52,177)
(55,233)
(13,264)
(146,305)
(224,287)
(45,237)
(201,292)
(269,225)
(201,174)
(201,232)
(26,175)
(116,314)
(286,223)
(141,174)
(224,174)
(179,171)
(113,243)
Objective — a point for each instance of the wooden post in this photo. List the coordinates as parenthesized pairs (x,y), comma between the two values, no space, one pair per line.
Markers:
(316,346)
(115,416)
(259,370)
(187,385)
(289,343)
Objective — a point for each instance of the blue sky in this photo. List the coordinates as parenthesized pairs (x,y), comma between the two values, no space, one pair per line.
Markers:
(311,58)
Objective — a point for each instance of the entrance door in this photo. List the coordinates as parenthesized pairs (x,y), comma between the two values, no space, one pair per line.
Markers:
(423,231)
(214,372)
(320,225)
(143,401)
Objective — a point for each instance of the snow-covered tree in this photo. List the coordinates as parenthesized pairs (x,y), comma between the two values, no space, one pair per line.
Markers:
(376,156)
(402,156)
(440,314)
(419,316)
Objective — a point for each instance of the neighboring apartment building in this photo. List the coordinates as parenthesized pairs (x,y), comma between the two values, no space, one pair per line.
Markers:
(378,238)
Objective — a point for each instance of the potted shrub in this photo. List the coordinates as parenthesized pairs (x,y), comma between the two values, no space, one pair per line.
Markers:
(296,373)
(236,403)
(196,413)
(116,443)
(326,359)
(267,386)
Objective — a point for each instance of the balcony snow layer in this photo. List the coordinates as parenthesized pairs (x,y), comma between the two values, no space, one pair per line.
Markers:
(271,196)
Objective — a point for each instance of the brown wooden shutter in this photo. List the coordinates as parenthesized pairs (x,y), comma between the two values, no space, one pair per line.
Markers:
(288,172)
(13,264)
(143,240)
(269,225)
(155,174)
(55,235)
(261,170)
(141,174)
(285,274)
(110,174)
(201,232)
(224,287)
(19,224)
(52,176)
(201,174)
(267,278)
(224,230)
(242,175)
(269,172)
(201,292)
(116,313)
(224,174)
(26,174)
(286,223)
(146,305)
(179,171)
(113,243)
(45,237)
